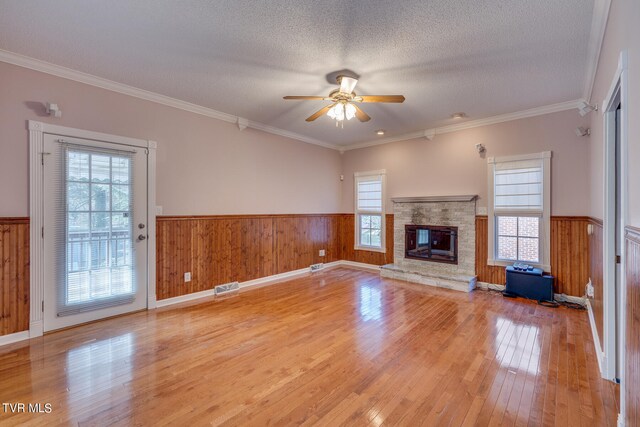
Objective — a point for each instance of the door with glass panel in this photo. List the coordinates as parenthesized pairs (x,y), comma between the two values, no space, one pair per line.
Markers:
(95,235)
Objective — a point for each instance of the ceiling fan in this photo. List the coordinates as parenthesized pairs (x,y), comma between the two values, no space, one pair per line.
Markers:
(344,102)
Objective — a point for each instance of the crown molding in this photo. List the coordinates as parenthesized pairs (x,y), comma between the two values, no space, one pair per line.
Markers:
(596,37)
(430,133)
(89,79)
(292,135)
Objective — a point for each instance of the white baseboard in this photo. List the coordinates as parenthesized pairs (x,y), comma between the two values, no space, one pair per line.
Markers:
(568,298)
(262,281)
(362,265)
(485,286)
(36,329)
(11,338)
(596,339)
(556,297)
(282,276)
(185,298)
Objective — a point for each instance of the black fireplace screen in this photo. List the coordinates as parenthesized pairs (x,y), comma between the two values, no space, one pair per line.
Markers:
(431,243)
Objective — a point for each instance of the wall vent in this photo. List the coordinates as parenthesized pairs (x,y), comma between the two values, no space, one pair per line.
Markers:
(226,288)
(316,267)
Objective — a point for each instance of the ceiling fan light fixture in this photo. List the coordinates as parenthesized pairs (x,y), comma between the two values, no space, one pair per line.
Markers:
(337,112)
(349,111)
(342,111)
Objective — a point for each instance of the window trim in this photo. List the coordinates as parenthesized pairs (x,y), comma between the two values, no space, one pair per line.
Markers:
(357,212)
(545,222)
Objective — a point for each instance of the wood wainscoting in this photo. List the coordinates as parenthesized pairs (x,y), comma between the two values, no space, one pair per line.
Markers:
(569,254)
(346,241)
(220,249)
(225,248)
(596,258)
(14,275)
(632,350)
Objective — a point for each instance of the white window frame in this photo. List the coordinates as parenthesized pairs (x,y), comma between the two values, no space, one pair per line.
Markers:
(357,212)
(545,219)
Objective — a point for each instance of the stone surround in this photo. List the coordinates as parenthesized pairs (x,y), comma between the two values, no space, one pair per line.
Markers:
(452,211)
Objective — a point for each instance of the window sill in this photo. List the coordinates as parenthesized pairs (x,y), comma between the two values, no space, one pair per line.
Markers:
(370,249)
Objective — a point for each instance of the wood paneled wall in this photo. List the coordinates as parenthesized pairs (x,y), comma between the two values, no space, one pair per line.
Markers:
(14,275)
(596,274)
(569,255)
(221,249)
(632,351)
(486,273)
(346,241)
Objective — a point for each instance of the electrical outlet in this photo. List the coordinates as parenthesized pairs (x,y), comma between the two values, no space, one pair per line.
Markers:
(590,289)
(322,252)
(187,277)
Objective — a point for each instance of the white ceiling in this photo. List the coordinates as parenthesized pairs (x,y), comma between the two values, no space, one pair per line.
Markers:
(242,56)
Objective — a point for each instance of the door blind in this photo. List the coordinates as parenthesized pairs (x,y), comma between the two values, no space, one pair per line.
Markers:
(94,242)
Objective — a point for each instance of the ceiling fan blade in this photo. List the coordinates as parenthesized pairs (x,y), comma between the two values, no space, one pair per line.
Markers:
(379,98)
(314,98)
(319,113)
(347,84)
(361,115)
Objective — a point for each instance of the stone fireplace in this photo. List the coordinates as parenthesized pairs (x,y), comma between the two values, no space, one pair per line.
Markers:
(443,253)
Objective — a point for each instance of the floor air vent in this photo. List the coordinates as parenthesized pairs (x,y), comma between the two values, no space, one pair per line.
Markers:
(316,267)
(226,288)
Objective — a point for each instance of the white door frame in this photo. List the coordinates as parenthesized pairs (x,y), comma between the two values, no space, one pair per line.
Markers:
(617,91)
(36,211)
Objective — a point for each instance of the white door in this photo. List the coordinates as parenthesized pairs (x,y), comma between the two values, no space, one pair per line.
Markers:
(95,230)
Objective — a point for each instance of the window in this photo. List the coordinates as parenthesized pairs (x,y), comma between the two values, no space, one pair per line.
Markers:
(518,238)
(519,207)
(97,229)
(369,216)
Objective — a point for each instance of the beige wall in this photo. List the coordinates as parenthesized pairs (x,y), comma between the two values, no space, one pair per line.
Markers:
(450,164)
(205,166)
(622,33)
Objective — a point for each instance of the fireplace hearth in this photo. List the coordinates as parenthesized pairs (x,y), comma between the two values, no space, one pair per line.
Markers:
(434,241)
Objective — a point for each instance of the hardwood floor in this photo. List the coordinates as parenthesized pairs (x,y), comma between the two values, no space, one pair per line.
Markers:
(340,347)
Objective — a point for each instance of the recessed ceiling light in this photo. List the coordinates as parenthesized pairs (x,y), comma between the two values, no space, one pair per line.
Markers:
(380,132)
(458,115)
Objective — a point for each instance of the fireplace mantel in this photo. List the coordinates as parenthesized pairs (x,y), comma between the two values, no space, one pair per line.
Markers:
(435,199)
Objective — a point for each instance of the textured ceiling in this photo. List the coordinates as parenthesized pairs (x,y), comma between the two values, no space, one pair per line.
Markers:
(241,56)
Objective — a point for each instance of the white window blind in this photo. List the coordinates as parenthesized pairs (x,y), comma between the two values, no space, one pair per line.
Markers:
(370,193)
(518,187)
(369,189)
(95,259)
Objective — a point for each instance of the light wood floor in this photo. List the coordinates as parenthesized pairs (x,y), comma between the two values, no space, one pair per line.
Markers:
(341,347)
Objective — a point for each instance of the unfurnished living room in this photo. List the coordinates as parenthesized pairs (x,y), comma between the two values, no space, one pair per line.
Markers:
(337,213)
